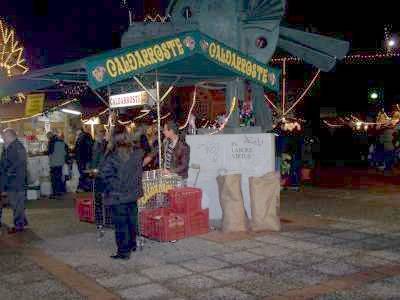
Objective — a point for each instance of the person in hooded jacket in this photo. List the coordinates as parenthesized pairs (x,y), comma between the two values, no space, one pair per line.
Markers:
(121,174)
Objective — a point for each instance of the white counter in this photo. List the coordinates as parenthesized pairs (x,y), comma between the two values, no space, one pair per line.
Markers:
(248,154)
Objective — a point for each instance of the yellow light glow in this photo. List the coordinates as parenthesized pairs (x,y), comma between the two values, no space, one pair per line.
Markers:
(12,60)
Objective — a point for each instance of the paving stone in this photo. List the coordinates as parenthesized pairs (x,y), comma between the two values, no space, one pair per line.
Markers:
(43,288)
(144,261)
(303,276)
(275,239)
(352,235)
(16,263)
(327,241)
(301,235)
(337,268)
(364,223)
(93,271)
(191,284)
(325,231)
(123,281)
(223,294)
(388,255)
(7,294)
(372,291)
(346,295)
(238,258)
(26,277)
(333,252)
(368,245)
(245,244)
(345,226)
(230,275)
(303,245)
(270,250)
(366,261)
(71,295)
(380,243)
(166,272)
(269,266)
(303,259)
(204,264)
(373,230)
(144,292)
(267,286)
(393,236)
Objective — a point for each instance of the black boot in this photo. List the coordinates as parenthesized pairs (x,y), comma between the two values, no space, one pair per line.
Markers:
(120,256)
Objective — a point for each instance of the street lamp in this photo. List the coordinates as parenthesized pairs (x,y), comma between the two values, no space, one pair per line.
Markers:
(374,95)
(391,43)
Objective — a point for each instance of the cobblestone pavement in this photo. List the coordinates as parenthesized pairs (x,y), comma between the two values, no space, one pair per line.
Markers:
(320,254)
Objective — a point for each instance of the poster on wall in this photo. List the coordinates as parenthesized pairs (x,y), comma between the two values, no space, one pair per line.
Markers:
(34,104)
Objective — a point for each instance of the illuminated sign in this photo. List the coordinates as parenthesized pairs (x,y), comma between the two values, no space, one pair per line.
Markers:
(130,99)
(124,63)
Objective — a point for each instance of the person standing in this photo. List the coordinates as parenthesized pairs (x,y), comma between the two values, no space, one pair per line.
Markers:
(99,152)
(83,155)
(389,147)
(57,151)
(99,148)
(121,173)
(13,170)
(176,152)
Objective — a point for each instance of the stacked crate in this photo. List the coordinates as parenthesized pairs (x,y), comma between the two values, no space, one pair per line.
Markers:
(184,217)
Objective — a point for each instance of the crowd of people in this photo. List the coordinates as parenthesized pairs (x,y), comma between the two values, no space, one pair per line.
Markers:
(118,160)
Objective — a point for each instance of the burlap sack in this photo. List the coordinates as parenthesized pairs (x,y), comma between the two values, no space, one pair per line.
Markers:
(234,217)
(265,202)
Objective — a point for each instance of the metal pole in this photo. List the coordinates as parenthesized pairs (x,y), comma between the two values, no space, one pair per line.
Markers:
(159,124)
(284,87)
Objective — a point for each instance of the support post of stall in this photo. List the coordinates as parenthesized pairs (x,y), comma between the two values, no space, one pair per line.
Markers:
(159,124)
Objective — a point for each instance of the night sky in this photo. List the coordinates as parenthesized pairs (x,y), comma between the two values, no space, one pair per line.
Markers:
(55,32)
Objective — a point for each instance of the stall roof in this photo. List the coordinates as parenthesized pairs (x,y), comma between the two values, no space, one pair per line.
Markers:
(190,56)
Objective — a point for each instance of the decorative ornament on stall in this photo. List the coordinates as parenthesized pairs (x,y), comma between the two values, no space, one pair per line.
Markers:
(12,61)
(246,111)
(75,91)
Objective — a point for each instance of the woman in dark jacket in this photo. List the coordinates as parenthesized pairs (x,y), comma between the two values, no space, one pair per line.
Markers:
(121,172)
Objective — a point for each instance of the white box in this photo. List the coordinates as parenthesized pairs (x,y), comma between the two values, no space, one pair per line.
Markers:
(33,195)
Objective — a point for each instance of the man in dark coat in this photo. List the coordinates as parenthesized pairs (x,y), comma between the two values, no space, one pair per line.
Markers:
(176,151)
(83,155)
(13,170)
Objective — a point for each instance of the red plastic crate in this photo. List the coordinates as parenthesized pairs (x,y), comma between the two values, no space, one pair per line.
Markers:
(162,224)
(197,223)
(84,208)
(185,200)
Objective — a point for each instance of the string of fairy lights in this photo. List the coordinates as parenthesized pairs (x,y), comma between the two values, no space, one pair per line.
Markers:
(350,59)
(13,63)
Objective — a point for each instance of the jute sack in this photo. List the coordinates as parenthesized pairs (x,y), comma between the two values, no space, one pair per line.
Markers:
(234,217)
(265,202)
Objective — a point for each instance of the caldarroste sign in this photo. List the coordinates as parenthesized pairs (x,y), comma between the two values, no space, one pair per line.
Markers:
(124,63)
(130,99)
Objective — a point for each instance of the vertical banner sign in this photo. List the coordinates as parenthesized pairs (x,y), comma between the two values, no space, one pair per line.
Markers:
(34,104)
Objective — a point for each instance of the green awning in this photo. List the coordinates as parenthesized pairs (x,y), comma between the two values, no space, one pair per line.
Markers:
(192,56)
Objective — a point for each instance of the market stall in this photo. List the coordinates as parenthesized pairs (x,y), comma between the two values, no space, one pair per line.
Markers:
(184,55)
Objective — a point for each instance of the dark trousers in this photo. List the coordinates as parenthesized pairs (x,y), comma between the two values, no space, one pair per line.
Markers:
(57,180)
(389,159)
(16,201)
(84,181)
(98,208)
(124,217)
